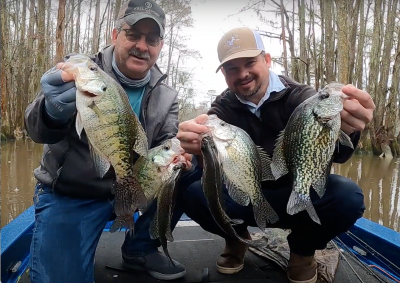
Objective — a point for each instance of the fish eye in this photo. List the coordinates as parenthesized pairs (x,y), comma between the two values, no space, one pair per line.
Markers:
(153,159)
(223,124)
(167,147)
(325,95)
(93,68)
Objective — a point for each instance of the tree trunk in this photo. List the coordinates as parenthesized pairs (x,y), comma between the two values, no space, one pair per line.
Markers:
(5,37)
(374,71)
(49,38)
(358,76)
(343,41)
(41,32)
(329,41)
(71,28)
(117,7)
(96,28)
(22,54)
(385,62)
(60,31)
(353,36)
(78,27)
(392,117)
(285,65)
(303,52)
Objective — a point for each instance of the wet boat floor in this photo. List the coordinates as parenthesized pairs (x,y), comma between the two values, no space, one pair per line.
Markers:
(198,250)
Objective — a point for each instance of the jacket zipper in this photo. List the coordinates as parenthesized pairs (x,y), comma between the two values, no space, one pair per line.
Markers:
(144,103)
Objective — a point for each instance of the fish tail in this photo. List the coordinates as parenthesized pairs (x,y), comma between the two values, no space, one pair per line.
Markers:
(264,213)
(129,196)
(299,202)
(163,242)
(123,221)
(253,243)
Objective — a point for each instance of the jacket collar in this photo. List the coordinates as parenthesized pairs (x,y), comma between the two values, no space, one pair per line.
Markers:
(230,97)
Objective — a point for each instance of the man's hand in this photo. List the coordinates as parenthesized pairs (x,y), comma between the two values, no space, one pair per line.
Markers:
(59,91)
(357,110)
(188,134)
(188,163)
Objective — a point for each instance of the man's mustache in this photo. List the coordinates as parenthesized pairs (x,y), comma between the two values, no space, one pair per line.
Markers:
(137,53)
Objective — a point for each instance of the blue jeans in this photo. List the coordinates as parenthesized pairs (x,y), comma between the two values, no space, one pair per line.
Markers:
(67,231)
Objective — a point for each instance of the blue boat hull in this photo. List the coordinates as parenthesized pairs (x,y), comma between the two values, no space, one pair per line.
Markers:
(379,247)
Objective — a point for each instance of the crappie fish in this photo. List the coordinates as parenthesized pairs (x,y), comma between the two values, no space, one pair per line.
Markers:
(160,227)
(306,146)
(152,171)
(158,175)
(113,131)
(244,166)
(212,189)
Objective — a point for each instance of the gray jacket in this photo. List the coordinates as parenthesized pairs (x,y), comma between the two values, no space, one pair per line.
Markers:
(66,164)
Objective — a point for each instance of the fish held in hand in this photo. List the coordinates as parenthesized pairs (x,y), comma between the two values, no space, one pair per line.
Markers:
(306,146)
(158,174)
(113,131)
(244,166)
(212,189)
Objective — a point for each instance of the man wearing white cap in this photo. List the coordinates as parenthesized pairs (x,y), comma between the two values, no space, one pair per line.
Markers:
(261,102)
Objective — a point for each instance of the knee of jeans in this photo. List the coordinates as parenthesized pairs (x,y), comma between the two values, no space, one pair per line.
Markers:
(348,198)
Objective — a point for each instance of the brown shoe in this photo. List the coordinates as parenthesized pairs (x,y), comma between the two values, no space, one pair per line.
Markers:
(232,259)
(302,269)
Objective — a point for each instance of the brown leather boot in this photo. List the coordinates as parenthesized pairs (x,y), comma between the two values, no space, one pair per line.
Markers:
(302,269)
(232,259)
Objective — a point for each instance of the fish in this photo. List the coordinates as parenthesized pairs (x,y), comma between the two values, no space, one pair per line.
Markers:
(244,166)
(152,171)
(160,226)
(212,181)
(114,133)
(306,146)
(158,175)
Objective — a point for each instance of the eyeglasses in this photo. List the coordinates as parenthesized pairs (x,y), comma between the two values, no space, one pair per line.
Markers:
(134,36)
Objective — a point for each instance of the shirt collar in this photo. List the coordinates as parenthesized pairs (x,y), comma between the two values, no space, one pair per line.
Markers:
(275,85)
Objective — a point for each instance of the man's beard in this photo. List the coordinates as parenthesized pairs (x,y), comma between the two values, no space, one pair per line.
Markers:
(250,93)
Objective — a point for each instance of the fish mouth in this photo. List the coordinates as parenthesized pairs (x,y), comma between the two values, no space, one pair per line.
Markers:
(89,94)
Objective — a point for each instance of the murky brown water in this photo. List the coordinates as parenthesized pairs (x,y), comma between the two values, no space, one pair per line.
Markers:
(379,179)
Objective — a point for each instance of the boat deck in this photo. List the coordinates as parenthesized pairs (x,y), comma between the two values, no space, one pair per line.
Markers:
(197,250)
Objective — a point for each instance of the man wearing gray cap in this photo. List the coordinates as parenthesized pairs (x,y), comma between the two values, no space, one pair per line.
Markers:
(73,205)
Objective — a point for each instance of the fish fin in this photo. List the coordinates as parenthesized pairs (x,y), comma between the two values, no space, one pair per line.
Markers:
(236,194)
(319,185)
(264,213)
(344,139)
(101,163)
(134,199)
(121,222)
(78,124)
(236,221)
(98,112)
(265,165)
(141,145)
(298,202)
(259,243)
(153,229)
(278,165)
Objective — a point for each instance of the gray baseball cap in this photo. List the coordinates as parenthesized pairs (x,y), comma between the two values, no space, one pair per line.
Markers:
(136,10)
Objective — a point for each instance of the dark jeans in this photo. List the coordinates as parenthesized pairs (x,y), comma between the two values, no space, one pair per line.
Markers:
(338,210)
(67,231)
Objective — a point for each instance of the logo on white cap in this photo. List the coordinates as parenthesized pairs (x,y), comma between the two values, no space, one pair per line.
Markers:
(148,5)
(231,42)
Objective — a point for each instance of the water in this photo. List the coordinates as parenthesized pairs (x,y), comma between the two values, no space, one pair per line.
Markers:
(379,179)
